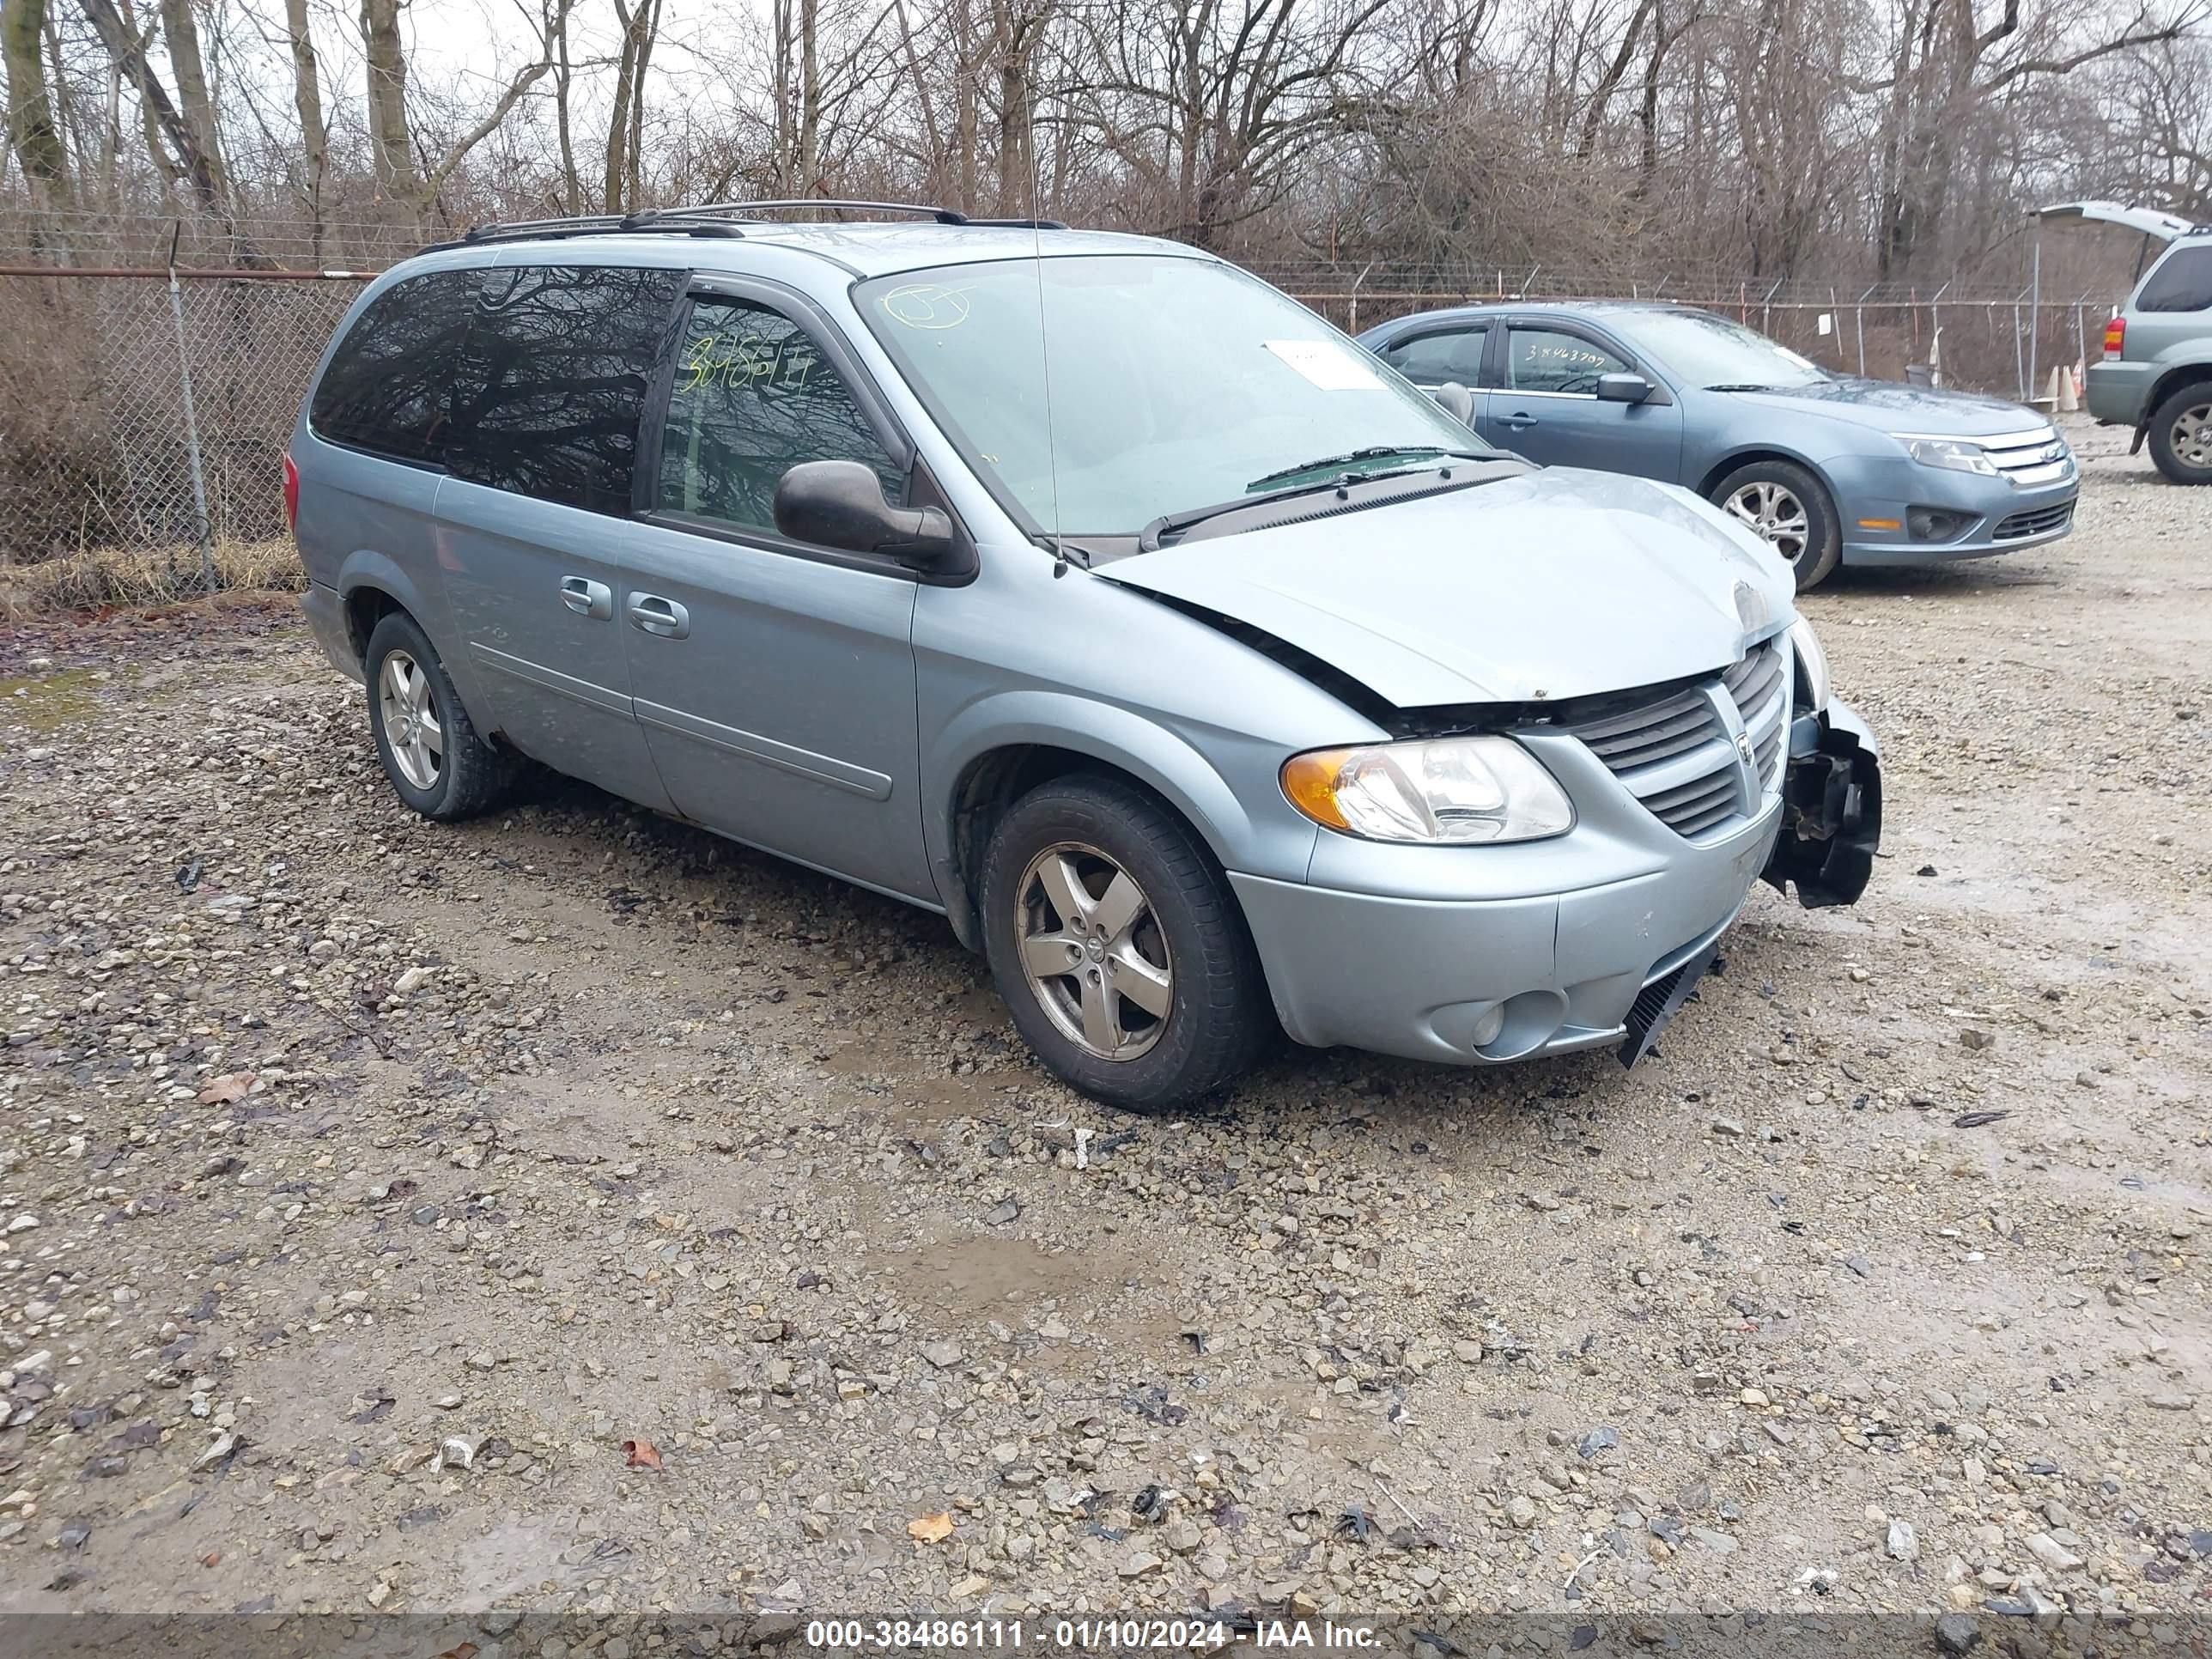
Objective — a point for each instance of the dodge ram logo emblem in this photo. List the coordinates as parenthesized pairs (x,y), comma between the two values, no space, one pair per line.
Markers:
(1743,745)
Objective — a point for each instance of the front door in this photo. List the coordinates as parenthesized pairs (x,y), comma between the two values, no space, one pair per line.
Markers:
(1547,407)
(775,681)
(1450,355)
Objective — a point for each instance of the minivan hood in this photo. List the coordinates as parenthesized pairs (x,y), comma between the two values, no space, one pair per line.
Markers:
(1891,406)
(1549,585)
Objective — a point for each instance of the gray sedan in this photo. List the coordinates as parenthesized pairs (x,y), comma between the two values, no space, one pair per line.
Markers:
(1830,469)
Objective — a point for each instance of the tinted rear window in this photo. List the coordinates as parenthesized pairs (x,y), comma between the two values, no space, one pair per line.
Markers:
(387,387)
(2183,283)
(552,381)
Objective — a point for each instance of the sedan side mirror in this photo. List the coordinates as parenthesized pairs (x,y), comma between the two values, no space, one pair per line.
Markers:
(1622,388)
(1455,400)
(841,504)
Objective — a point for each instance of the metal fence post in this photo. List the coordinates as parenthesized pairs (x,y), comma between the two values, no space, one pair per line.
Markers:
(2034,321)
(202,522)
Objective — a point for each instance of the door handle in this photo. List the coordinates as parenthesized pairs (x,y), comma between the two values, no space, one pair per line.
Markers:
(1519,421)
(655,615)
(588,599)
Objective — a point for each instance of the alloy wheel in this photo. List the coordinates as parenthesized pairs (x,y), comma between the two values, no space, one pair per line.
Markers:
(2192,436)
(1776,513)
(1092,951)
(408,712)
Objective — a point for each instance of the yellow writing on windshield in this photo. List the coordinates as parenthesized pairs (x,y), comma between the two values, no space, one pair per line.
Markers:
(927,305)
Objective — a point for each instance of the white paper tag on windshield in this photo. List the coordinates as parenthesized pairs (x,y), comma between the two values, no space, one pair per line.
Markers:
(1326,364)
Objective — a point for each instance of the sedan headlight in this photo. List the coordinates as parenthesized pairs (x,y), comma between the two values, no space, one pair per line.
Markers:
(1444,791)
(1812,664)
(1957,455)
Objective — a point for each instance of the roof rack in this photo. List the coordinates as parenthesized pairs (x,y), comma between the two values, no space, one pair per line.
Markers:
(713,219)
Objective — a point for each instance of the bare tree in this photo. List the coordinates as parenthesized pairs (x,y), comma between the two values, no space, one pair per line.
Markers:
(1211,104)
(307,104)
(195,108)
(640,26)
(1948,67)
(391,154)
(32,135)
(166,123)
(1497,139)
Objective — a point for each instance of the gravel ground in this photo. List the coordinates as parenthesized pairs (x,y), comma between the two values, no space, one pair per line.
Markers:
(377,1196)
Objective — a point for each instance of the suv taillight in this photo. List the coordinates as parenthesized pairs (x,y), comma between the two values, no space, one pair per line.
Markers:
(291,494)
(2116,334)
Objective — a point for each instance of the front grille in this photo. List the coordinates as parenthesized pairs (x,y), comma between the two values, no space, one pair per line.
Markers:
(1676,751)
(2043,521)
(2030,459)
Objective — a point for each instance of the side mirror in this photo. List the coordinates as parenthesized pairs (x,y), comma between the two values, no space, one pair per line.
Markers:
(1622,388)
(841,504)
(1455,400)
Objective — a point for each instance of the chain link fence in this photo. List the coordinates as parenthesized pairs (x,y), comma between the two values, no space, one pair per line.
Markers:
(1977,337)
(113,390)
(98,449)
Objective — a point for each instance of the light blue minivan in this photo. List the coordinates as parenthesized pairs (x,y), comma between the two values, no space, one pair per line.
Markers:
(1203,673)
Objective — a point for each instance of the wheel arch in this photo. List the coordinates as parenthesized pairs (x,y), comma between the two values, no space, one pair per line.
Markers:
(990,762)
(1749,454)
(371,583)
(2174,380)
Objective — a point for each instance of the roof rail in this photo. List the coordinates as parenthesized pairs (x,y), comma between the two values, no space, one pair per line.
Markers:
(598,224)
(943,215)
(712,219)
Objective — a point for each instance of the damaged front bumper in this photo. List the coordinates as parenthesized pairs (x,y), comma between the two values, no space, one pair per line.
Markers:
(1831,830)
(1480,955)
(1831,808)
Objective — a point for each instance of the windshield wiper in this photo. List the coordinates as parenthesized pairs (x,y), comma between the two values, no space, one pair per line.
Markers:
(1372,452)
(1748,386)
(1395,485)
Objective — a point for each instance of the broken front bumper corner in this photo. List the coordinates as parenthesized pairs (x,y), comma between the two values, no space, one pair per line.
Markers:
(1830,810)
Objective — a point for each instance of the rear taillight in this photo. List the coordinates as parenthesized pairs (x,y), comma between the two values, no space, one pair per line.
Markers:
(291,494)
(2116,335)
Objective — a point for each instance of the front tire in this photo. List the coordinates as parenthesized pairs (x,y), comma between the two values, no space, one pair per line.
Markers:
(429,747)
(1787,507)
(1118,946)
(2181,434)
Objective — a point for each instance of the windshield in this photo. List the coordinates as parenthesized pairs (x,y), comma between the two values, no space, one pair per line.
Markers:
(1707,350)
(1174,383)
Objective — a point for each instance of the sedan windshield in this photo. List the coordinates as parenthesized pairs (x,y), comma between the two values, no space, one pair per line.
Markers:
(1096,393)
(1710,351)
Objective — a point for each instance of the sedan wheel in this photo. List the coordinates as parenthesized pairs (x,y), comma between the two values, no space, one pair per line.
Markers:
(1776,513)
(408,711)
(1093,953)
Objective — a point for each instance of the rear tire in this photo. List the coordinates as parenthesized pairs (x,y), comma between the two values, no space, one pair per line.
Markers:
(2181,434)
(1118,946)
(428,743)
(1787,507)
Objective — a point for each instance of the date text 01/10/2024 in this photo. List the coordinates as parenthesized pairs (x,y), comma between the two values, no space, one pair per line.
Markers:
(1104,1632)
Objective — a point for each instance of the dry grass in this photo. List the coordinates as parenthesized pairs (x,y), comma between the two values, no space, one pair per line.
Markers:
(130,578)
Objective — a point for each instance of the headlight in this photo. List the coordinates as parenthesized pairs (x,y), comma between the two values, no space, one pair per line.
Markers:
(1956,453)
(1446,791)
(1812,663)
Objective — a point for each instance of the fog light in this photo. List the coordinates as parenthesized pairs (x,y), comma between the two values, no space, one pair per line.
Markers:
(1933,524)
(1486,1029)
